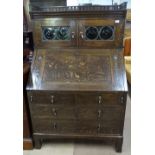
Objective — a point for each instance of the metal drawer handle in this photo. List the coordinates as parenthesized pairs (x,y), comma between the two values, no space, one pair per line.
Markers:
(52,99)
(54,125)
(81,34)
(99,113)
(122,99)
(100,99)
(73,35)
(54,111)
(31,98)
(99,127)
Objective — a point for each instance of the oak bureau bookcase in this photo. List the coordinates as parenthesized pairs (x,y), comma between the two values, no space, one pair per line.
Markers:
(77,86)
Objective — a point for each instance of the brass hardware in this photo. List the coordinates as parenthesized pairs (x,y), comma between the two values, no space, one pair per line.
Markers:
(73,35)
(99,113)
(122,99)
(99,127)
(54,125)
(40,58)
(52,99)
(54,111)
(81,34)
(31,98)
(99,99)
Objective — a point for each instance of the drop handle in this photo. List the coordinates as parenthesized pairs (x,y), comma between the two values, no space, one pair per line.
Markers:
(100,99)
(99,113)
(54,111)
(122,99)
(99,127)
(73,35)
(31,98)
(52,99)
(82,35)
(54,125)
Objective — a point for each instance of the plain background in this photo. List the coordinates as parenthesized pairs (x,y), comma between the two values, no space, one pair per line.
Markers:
(143,77)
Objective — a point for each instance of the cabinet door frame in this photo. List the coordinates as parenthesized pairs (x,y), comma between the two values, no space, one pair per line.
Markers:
(114,43)
(38,36)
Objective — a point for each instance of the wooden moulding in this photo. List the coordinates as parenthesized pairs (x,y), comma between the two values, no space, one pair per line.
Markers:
(40,10)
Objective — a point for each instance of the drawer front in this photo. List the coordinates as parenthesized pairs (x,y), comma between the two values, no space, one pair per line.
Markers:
(82,99)
(74,127)
(99,99)
(38,97)
(42,125)
(80,113)
(111,113)
(97,127)
(107,113)
(54,112)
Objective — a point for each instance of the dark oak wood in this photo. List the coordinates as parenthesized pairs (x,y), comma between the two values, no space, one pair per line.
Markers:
(118,37)
(78,70)
(77,87)
(27,135)
(77,29)
(38,10)
(82,103)
(37,32)
(37,142)
(118,144)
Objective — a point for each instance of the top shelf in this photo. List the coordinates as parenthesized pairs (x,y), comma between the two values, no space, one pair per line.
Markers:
(48,7)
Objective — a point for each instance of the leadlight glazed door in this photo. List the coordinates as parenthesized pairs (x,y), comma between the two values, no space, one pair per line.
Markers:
(100,33)
(55,33)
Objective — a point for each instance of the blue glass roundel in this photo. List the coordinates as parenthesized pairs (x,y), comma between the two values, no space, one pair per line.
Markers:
(91,33)
(106,32)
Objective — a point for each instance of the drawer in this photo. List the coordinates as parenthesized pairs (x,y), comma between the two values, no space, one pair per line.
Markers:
(111,113)
(99,98)
(47,97)
(108,113)
(48,126)
(50,111)
(97,127)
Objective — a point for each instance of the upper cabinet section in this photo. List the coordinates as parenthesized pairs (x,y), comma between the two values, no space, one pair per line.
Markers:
(78,26)
(84,33)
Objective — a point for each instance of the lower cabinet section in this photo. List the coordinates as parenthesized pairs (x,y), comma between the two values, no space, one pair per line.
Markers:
(99,117)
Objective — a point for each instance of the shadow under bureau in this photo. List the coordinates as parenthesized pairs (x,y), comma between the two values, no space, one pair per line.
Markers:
(77,86)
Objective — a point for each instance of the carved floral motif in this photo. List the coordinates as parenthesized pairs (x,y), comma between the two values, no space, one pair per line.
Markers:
(82,68)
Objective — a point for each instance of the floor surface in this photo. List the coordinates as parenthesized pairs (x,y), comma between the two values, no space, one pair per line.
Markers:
(88,149)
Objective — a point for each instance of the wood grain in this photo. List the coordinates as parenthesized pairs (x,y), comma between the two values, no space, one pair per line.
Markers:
(77,88)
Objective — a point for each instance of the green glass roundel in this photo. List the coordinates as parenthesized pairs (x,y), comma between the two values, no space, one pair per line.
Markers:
(63,33)
(49,33)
